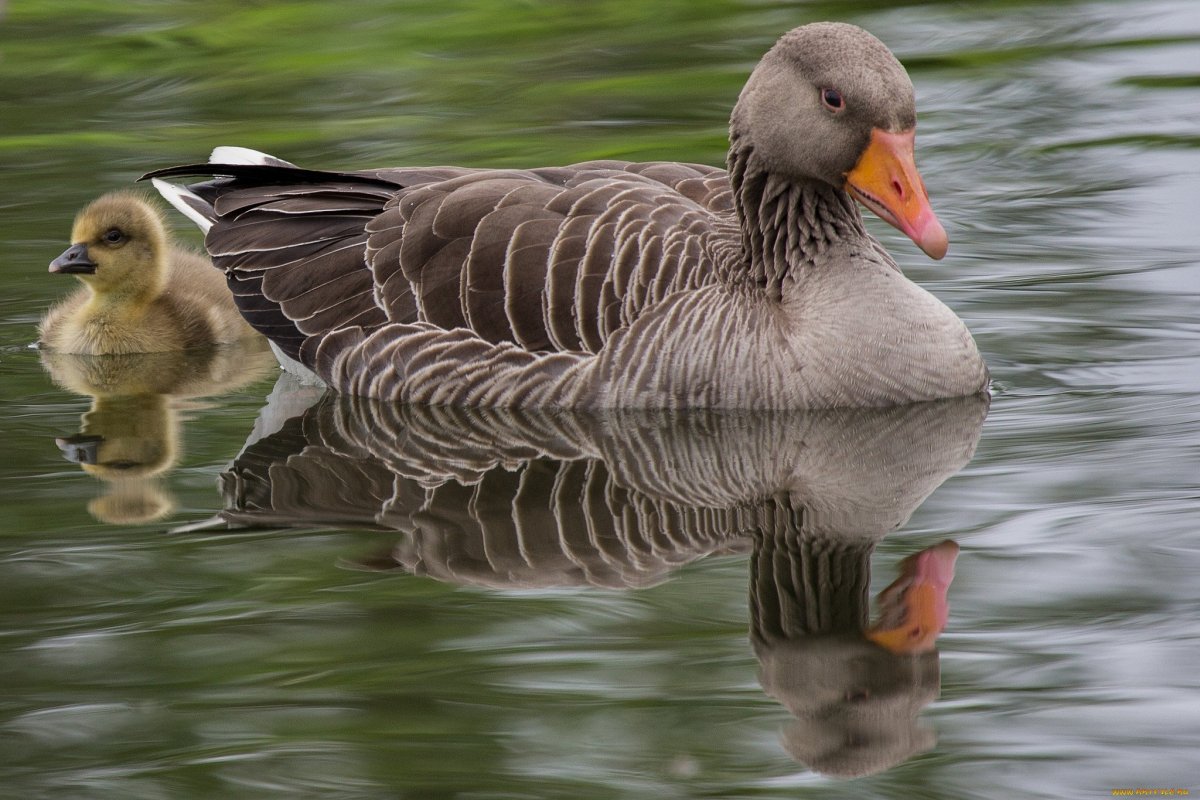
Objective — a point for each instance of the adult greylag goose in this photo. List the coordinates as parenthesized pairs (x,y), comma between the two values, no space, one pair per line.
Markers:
(614,284)
(140,293)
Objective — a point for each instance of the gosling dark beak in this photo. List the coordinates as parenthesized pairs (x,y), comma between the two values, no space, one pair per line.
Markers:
(74,261)
(80,448)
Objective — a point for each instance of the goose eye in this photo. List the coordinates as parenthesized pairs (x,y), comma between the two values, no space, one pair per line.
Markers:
(114,236)
(832,99)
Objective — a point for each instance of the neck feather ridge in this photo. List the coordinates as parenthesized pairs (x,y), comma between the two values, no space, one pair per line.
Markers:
(803,584)
(786,223)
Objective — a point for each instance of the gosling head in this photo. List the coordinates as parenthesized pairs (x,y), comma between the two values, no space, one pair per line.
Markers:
(118,244)
(829,102)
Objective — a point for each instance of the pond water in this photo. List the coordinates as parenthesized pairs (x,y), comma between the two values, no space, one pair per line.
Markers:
(283,595)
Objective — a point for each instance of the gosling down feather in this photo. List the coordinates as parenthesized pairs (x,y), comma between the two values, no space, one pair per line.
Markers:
(608,283)
(140,293)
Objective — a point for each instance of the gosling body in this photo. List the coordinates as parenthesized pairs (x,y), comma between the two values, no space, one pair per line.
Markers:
(140,293)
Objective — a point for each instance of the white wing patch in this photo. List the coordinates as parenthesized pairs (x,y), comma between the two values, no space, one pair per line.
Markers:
(187,203)
(228,154)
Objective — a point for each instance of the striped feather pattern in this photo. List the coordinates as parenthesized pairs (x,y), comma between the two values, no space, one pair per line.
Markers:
(605,284)
(856,706)
(499,497)
(550,260)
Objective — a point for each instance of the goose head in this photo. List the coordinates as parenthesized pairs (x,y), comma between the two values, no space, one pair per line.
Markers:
(118,246)
(830,103)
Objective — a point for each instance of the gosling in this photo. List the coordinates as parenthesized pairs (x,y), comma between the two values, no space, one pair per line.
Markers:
(141,294)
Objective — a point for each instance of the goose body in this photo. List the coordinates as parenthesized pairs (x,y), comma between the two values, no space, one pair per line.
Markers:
(614,284)
(141,294)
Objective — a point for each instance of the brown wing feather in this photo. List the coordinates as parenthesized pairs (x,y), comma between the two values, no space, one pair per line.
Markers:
(495,268)
(549,259)
(525,286)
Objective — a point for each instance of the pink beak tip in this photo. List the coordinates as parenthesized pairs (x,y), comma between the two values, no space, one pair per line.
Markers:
(933,239)
(936,564)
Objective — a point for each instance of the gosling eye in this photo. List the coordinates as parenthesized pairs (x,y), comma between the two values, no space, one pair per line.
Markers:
(113,236)
(832,100)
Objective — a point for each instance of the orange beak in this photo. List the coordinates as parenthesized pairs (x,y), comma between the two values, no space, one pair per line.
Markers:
(886,180)
(913,609)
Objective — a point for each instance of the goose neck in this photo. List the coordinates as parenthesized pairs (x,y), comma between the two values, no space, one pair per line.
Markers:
(803,584)
(787,223)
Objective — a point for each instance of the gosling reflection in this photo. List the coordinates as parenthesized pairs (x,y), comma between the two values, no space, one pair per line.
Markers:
(520,499)
(130,437)
(127,441)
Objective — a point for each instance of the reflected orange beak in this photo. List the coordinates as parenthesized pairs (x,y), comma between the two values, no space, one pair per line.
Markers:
(913,609)
(886,180)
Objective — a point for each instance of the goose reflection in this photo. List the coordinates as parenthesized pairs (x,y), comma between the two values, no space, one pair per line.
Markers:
(130,437)
(855,691)
(510,499)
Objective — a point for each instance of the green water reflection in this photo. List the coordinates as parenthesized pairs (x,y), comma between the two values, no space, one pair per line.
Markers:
(154,660)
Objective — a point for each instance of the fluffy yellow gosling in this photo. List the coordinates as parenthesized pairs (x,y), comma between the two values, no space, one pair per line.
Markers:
(141,294)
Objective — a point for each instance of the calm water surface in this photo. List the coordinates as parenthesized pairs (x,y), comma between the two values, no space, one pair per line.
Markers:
(321,598)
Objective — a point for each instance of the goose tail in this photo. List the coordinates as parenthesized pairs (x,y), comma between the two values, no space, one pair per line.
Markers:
(187,202)
(244,156)
(247,189)
(235,159)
